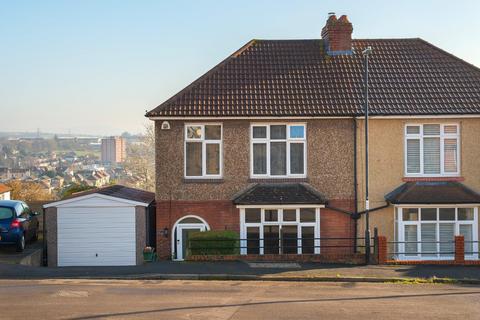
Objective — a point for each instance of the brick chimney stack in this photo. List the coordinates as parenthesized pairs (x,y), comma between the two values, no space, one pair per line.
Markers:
(337,35)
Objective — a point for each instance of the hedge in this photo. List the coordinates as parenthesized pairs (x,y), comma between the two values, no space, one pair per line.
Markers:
(214,243)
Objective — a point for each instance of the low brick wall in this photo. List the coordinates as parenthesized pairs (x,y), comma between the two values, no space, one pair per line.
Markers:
(321,258)
(435,262)
(459,256)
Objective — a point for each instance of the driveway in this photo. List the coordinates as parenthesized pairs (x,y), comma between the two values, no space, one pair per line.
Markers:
(8,254)
(95,299)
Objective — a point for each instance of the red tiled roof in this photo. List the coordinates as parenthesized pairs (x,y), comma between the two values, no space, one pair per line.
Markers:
(4,188)
(296,78)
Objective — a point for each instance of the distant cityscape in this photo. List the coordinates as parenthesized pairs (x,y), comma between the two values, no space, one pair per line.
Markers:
(56,162)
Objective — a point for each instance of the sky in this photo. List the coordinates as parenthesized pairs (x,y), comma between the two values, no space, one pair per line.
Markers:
(95,67)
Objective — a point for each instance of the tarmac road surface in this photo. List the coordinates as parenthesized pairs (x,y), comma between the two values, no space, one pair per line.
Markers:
(132,299)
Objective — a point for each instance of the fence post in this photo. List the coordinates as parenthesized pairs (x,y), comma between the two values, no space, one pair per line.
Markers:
(459,250)
(375,244)
(382,249)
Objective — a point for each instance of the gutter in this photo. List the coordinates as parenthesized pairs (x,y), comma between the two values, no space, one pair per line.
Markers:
(373,209)
(339,210)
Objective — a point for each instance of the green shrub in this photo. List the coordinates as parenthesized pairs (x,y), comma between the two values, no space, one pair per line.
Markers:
(214,243)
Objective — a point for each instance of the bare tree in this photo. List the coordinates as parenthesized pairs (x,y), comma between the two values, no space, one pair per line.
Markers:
(141,160)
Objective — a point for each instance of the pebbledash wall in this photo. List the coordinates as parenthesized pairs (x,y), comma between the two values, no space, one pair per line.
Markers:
(387,161)
(330,169)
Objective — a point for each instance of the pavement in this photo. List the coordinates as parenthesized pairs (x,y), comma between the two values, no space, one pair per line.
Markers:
(238,270)
(219,300)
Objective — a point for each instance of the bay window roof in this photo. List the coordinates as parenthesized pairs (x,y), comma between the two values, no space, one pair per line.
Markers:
(279,193)
(432,192)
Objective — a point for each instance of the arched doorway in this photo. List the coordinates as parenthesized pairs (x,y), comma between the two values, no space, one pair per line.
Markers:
(181,231)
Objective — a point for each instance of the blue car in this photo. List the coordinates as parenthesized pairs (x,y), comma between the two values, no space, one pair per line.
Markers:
(18,224)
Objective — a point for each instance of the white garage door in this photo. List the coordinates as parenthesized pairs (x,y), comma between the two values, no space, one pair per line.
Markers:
(102,236)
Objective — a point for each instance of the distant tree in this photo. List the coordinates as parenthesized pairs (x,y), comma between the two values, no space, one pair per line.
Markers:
(28,191)
(51,173)
(74,188)
(141,159)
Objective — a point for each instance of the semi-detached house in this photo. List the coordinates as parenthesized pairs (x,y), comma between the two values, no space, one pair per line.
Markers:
(270,143)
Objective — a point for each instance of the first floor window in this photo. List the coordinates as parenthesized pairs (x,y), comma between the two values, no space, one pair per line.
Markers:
(278,150)
(280,230)
(431,149)
(203,150)
(429,233)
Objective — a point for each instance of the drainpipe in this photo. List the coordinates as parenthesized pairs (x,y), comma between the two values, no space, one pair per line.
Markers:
(355,182)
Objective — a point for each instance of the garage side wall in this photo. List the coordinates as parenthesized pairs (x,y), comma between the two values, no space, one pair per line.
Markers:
(140,232)
(51,228)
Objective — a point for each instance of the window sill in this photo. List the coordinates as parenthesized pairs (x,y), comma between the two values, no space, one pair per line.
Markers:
(433,179)
(268,180)
(203,180)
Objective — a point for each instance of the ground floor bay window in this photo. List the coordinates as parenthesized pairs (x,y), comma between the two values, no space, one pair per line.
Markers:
(280,230)
(428,232)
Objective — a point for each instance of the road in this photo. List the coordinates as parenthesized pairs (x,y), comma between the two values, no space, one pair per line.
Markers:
(95,299)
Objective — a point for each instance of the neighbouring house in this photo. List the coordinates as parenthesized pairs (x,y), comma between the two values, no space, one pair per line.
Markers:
(5,192)
(270,143)
(102,227)
(95,177)
(14,173)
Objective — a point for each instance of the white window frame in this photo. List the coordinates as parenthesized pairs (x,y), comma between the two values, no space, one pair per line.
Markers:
(288,141)
(204,150)
(420,136)
(418,256)
(244,225)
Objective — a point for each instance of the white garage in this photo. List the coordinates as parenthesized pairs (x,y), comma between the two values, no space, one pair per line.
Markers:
(104,227)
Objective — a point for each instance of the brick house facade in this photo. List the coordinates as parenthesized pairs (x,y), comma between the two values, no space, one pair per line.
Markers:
(286,115)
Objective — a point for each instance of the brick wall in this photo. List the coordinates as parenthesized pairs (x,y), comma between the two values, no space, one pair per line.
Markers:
(335,224)
(223,215)
(219,214)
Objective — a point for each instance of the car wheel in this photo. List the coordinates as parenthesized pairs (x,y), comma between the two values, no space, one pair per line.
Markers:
(21,243)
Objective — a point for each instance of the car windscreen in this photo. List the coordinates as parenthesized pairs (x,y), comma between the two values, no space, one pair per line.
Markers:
(6,213)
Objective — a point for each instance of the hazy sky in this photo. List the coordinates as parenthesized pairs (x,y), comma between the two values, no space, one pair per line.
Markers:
(96,66)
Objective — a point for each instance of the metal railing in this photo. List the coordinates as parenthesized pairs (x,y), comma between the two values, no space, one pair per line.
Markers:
(444,249)
(279,245)
(470,248)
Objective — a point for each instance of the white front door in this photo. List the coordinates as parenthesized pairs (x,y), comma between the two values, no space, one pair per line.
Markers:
(183,234)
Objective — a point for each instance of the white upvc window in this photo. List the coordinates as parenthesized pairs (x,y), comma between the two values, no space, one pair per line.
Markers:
(278,150)
(280,229)
(203,150)
(427,232)
(432,150)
